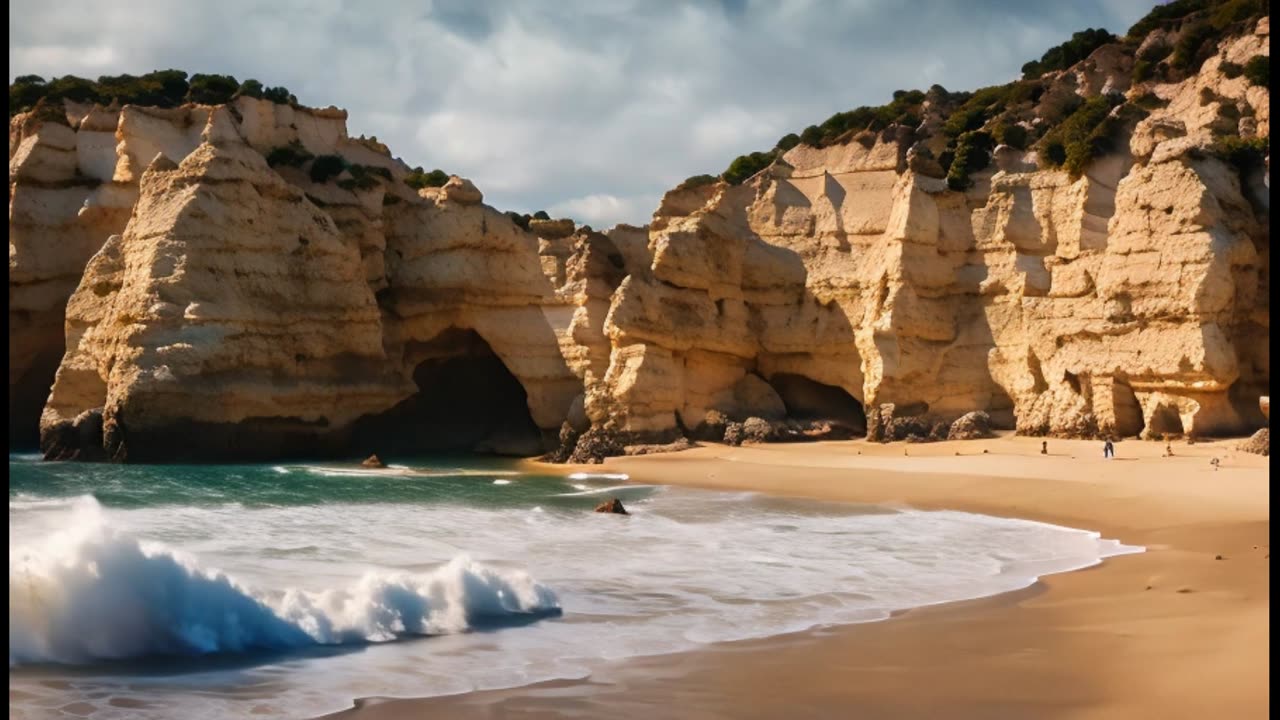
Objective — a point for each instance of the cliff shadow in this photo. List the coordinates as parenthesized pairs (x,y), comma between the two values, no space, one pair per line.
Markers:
(28,396)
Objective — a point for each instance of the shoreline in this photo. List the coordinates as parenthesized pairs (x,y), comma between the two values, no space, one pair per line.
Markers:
(1177,631)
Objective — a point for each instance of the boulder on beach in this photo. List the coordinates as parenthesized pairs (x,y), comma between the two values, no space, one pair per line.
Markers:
(613,505)
(1258,444)
(971,426)
(373,462)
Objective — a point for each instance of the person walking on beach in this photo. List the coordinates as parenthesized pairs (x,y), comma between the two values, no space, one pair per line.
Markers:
(1044,447)
(1108,449)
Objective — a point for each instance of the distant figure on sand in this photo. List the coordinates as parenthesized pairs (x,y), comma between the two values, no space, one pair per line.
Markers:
(1168,449)
(1044,447)
(1214,463)
(1108,449)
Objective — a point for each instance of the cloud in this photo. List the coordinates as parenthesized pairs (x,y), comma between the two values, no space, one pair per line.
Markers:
(603,210)
(592,107)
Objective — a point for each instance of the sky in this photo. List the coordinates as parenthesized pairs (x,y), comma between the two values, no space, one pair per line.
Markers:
(589,109)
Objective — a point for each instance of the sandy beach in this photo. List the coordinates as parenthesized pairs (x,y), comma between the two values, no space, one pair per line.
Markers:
(1180,631)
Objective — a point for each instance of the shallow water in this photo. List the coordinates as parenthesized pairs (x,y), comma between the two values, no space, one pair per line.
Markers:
(288,590)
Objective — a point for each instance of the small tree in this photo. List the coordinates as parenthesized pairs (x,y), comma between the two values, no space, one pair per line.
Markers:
(418,179)
(697,181)
(250,88)
(279,95)
(212,89)
(744,166)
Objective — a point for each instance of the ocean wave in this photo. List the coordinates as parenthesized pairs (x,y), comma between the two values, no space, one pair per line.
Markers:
(28,501)
(91,593)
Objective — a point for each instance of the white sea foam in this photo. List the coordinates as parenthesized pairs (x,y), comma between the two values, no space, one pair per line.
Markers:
(587,490)
(501,482)
(693,568)
(90,593)
(599,476)
(395,471)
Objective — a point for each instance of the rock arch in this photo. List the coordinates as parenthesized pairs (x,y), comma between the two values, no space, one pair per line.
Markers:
(467,400)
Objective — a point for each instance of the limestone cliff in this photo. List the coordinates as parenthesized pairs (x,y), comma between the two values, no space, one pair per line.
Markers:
(198,301)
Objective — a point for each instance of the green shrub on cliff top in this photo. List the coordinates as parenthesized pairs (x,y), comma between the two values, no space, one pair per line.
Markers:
(24,92)
(696,181)
(212,89)
(418,178)
(745,166)
(250,88)
(1079,47)
(1087,133)
(161,88)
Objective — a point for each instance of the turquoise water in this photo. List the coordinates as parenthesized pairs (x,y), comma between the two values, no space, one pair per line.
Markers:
(462,479)
(289,590)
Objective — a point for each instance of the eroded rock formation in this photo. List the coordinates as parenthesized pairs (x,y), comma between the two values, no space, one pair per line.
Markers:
(217,306)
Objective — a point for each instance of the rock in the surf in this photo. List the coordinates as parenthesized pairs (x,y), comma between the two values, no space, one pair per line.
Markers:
(613,505)
(373,462)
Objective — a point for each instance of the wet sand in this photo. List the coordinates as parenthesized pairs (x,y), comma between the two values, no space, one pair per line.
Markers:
(1180,631)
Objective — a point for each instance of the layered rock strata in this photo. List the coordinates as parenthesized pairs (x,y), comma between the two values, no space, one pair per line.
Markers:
(197,302)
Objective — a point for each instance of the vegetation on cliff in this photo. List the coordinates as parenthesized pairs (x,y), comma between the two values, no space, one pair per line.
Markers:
(160,88)
(1067,134)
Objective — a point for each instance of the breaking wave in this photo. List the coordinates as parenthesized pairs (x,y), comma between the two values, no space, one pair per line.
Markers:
(90,593)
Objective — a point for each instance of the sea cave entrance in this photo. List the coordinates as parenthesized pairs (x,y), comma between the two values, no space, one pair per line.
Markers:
(1165,421)
(807,399)
(27,398)
(1127,411)
(467,401)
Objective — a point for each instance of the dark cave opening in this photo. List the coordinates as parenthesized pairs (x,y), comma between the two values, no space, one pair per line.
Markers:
(1165,421)
(28,397)
(1127,411)
(467,401)
(808,399)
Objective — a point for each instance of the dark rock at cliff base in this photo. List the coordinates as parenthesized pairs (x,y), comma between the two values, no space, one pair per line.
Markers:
(612,506)
(373,462)
(971,426)
(595,445)
(568,441)
(680,443)
(902,428)
(733,434)
(939,431)
(1259,444)
(757,430)
(712,428)
(80,439)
